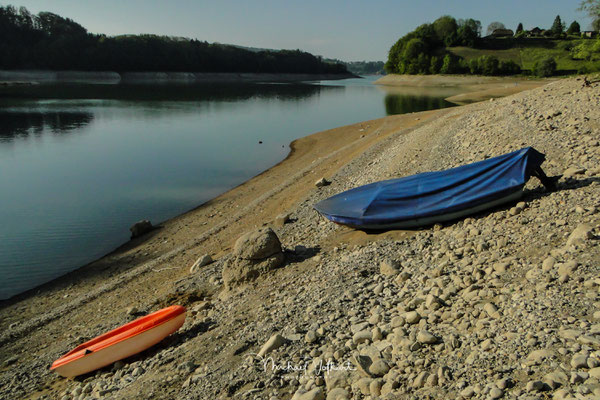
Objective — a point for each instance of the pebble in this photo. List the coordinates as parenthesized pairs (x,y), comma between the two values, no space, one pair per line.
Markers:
(426,337)
(273,343)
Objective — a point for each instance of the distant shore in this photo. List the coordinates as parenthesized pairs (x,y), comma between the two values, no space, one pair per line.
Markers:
(111,77)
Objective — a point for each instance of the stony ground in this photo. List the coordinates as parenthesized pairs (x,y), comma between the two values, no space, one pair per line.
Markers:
(504,304)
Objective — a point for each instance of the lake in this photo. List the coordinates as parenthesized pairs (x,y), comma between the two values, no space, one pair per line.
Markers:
(80,163)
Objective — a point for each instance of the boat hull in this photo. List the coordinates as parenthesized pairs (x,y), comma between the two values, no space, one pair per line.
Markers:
(132,341)
(436,219)
(432,197)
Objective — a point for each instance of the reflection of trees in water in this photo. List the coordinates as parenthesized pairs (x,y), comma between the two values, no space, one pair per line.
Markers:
(402,104)
(19,123)
(167,91)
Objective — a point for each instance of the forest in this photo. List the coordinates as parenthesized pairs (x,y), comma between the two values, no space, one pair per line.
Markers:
(49,41)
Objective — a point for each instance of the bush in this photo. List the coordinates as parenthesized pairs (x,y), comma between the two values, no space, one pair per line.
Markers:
(488,65)
(509,68)
(545,67)
(450,65)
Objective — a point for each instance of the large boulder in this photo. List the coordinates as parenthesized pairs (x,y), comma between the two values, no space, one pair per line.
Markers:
(254,254)
(257,245)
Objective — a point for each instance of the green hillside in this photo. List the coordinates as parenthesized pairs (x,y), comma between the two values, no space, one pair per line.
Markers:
(527,54)
(450,46)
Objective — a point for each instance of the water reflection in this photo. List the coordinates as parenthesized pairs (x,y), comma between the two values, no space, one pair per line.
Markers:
(24,123)
(402,104)
(170,92)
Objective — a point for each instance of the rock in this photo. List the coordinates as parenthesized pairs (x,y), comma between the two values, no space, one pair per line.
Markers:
(595,373)
(433,302)
(426,337)
(496,393)
(87,388)
(548,264)
(420,380)
(257,245)
(505,383)
(412,317)
(379,368)
(273,343)
(491,310)
(281,220)
(118,365)
(140,228)
(579,361)
(310,337)
(572,171)
(255,253)
(362,336)
(338,394)
(363,363)
(580,234)
(565,271)
(556,379)
(239,271)
(538,356)
(375,387)
(467,392)
(322,182)
(132,310)
(535,386)
(363,385)
(562,394)
(201,262)
(314,394)
(389,267)
(336,378)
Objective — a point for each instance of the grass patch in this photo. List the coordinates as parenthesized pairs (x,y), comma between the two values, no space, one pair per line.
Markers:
(527,54)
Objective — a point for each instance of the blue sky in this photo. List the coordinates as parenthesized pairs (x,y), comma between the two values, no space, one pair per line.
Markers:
(345,29)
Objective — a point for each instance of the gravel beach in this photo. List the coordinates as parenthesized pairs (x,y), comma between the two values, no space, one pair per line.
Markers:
(504,304)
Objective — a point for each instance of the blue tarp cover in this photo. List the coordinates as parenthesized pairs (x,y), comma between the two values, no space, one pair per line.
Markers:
(433,193)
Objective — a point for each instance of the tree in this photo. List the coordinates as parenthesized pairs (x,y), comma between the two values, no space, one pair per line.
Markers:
(519,28)
(449,65)
(574,28)
(468,32)
(493,26)
(434,65)
(557,27)
(544,68)
(413,48)
(445,29)
(592,7)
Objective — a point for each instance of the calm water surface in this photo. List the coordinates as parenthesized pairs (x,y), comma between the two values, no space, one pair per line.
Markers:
(79,164)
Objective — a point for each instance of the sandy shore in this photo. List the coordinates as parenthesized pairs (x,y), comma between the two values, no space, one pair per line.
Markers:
(472,88)
(153,271)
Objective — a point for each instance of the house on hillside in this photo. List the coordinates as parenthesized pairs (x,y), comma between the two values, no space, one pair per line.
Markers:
(535,32)
(502,33)
(589,34)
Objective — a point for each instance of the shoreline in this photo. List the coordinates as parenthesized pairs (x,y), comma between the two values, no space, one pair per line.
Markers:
(475,91)
(21,77)
(473,88)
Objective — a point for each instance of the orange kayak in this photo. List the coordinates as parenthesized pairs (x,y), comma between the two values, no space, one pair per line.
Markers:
(121,342)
